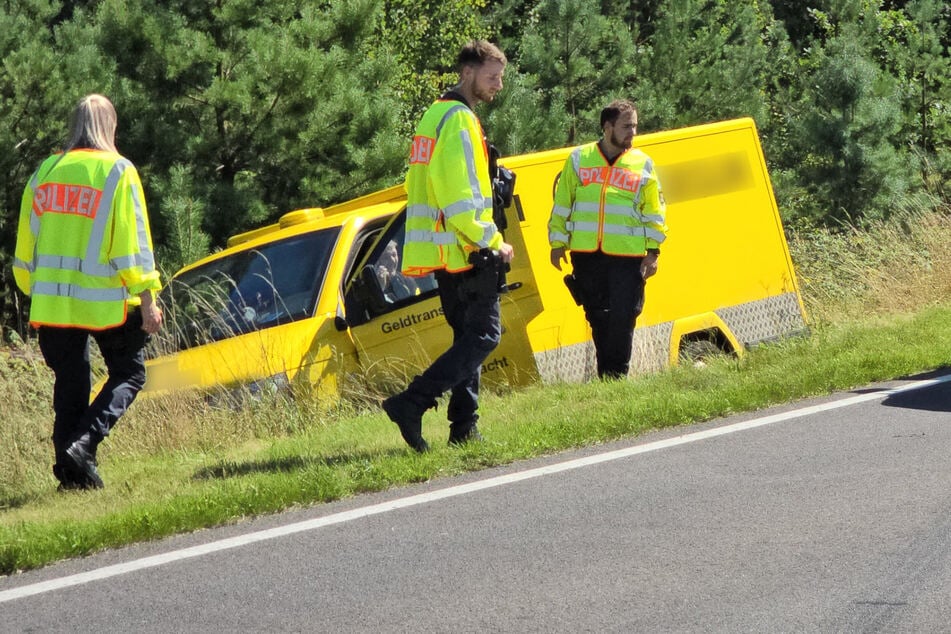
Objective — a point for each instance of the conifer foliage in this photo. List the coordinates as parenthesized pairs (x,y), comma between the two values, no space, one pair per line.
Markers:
(236,111)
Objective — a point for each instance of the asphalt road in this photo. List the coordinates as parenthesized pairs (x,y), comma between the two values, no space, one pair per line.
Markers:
(831,515)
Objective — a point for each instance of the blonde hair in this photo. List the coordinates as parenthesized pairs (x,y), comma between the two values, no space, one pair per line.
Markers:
(93,125)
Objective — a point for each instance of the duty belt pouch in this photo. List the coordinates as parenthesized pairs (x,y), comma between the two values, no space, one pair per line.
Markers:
(481,282)
(574,287)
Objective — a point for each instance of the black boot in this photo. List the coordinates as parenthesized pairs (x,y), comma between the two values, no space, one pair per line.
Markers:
(68,480)
(462,433)
(408,416)
(82,458)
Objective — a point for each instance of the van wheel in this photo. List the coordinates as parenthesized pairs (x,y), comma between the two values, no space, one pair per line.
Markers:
(700,347)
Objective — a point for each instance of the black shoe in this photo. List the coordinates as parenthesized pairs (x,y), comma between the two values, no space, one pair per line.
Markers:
(464,435)
(66,480)
(82,454)
(409,418)
(71,480)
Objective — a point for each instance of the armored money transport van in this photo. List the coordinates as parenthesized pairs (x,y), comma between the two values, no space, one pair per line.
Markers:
(316,303)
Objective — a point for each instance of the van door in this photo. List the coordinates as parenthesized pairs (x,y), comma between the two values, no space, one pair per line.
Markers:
(397,323)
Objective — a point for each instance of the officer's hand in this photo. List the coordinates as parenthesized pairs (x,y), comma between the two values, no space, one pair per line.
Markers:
(506,252)
(382,274)
(151,313)
(649,265)
(557,255)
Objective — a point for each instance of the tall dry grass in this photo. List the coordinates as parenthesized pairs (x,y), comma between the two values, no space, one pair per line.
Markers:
(888,268)
(891,267)
(26,420)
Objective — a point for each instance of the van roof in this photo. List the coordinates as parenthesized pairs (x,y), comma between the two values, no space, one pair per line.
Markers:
(377,205)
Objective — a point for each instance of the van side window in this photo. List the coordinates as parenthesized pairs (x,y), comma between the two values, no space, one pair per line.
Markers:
(393,283)
(254,289)
(379,286)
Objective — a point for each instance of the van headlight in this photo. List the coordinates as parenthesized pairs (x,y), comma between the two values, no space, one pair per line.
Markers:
(269,386)
(241,395)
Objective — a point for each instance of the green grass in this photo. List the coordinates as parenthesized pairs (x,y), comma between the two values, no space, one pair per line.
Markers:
(879,306)
(167,492)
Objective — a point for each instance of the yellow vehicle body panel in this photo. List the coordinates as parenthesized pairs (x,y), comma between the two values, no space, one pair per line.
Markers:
(725,255)
(724,269)
(311,350)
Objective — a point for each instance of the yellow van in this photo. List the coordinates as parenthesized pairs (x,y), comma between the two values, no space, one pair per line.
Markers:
(314,301)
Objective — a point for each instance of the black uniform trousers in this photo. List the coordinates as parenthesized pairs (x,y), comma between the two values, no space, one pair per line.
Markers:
(470,303)
(612,291)
(66,352)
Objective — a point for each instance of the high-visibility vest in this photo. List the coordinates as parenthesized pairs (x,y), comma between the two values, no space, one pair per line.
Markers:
(449,194)
(615,208)
(84,250)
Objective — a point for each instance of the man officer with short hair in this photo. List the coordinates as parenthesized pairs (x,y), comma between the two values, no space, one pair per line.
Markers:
(450,231)
(609,212)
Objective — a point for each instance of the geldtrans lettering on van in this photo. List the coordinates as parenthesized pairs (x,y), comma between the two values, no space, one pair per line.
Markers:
(410,320)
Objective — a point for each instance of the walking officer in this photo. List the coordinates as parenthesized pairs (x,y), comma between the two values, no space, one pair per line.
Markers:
(84,256)
(450,231)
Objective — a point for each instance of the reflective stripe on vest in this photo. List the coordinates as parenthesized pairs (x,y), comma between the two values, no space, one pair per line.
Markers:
(91,267)
(436,237)
(607,210)
(617,230)
(440,238)
(74,291)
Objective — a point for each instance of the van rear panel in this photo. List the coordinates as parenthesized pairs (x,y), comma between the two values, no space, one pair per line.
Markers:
(724,266)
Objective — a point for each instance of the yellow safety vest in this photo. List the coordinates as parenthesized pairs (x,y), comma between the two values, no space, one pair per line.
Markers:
(449,194)
(618,209)
(84,250)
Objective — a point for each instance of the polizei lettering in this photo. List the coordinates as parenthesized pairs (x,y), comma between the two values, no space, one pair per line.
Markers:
(59,198)
(410,320)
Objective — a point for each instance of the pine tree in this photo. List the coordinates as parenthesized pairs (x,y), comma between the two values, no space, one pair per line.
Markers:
(270,105)
(707,62)
(572,60)
(184,240)
(48,64)
(849,111)
(422,39)
(911,45)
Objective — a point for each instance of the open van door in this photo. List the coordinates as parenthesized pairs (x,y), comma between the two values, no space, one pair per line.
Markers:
(397,322)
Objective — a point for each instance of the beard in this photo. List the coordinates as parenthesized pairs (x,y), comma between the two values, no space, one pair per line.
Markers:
(483,94)
(621,142)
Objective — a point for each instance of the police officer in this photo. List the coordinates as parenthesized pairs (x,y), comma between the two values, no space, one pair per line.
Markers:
(450,231)
(609,212)
(84,256)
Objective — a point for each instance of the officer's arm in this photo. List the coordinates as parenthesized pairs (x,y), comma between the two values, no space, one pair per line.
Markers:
(561,209)
(131,240)
(654,211)
(459,172)
(23,255)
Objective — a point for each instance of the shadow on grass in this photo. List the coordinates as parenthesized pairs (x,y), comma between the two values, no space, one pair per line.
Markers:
(225,470)
(16,501)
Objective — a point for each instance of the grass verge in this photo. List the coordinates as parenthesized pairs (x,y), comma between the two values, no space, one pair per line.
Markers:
(159,493)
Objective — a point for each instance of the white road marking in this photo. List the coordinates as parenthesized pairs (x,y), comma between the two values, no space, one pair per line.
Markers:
(442,494)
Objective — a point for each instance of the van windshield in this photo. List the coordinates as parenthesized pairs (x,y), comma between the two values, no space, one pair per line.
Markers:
(259,288)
